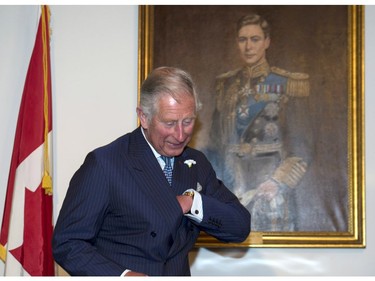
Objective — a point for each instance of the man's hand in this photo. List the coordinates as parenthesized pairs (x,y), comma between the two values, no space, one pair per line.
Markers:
(268,189)
(134,273)
(185,202)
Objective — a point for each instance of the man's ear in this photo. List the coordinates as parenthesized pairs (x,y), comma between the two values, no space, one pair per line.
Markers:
(142,118)
(268,42)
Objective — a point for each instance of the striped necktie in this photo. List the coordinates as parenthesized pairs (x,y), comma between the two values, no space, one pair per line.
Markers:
(168,168)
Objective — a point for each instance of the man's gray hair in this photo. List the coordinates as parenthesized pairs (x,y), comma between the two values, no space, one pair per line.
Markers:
(166,81)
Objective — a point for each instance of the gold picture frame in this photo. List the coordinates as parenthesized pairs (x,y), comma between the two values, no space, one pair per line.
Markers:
(341,48)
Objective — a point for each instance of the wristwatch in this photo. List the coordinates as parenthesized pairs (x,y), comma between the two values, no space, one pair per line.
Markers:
(189,193)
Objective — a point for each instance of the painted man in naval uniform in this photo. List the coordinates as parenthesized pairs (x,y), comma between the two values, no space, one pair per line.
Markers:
(260,133)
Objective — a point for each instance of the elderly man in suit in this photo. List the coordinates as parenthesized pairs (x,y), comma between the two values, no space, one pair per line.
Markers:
(123,216)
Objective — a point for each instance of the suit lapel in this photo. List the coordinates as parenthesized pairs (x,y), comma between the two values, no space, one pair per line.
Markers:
(150,178)
(184,177)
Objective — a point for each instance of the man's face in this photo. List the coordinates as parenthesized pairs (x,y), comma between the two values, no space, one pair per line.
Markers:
(170,130)
(252,44)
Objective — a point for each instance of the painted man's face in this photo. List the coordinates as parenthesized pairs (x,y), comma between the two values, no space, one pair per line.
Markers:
(252,44)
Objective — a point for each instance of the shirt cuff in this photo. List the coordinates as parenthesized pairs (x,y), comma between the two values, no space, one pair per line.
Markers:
(196,211)
(124,273)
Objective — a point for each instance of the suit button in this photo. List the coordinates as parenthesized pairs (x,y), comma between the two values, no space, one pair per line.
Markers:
(153,234)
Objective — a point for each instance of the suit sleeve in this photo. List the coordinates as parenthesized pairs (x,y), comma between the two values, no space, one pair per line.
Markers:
(224,217)
(79,221)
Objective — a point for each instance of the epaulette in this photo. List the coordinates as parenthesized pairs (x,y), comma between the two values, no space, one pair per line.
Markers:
(228,74)
(298,84)
(219,86)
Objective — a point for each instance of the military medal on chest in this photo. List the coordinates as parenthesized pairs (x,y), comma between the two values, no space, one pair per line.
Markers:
(258,113)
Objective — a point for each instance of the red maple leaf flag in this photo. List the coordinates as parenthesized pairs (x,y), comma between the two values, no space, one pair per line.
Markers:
(26,231)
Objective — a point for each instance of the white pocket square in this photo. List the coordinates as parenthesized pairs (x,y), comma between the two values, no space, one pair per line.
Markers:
(199,187)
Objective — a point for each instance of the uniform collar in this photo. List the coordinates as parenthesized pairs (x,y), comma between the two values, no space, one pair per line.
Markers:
(259,70)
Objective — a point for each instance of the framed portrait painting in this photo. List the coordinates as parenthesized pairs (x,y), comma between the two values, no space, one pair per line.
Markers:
(283,112)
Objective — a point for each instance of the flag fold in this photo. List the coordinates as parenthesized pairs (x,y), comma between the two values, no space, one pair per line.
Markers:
(26,231)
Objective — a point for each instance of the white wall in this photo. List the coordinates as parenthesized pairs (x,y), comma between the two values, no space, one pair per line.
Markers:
(94,63)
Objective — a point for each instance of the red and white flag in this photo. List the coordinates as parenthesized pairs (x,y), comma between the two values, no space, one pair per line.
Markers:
(26,231)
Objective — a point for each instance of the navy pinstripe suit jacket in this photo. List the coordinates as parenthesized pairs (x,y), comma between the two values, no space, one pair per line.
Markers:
(120,212)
